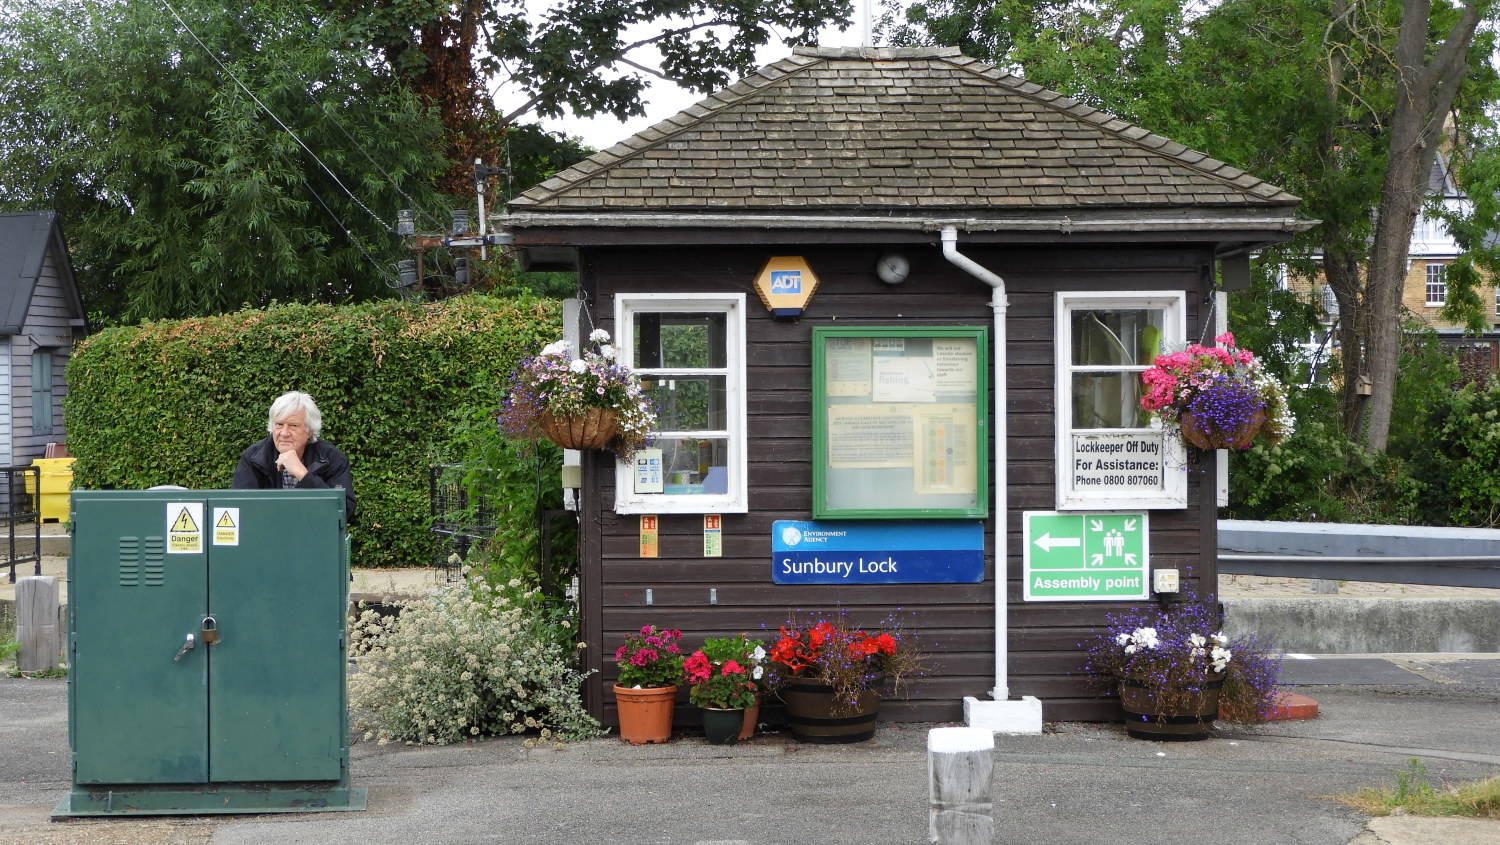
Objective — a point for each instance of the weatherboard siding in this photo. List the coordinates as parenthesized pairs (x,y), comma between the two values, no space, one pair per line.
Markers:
(955,620)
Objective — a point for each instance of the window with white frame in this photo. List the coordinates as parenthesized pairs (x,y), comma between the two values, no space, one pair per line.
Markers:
(1437,288)
(689,351)
(1110,453)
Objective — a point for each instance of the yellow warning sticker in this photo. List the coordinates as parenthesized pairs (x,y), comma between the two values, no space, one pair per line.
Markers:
(184,528)
(226,526)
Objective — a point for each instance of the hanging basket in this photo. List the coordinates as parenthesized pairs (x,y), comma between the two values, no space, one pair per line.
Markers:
(591,430)
(1206,434)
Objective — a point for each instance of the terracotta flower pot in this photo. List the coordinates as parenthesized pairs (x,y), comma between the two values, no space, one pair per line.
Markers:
(751,719)
(591,430)
(645,714)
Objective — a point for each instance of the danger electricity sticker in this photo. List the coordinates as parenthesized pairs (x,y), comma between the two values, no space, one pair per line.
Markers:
(184,528)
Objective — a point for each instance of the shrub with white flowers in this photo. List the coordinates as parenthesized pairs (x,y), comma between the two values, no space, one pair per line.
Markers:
(466,661)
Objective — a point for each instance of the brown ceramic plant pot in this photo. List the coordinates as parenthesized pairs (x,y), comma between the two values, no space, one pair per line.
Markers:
(645,714)
(590,430)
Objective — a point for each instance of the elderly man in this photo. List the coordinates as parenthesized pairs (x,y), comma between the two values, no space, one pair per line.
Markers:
(293,456)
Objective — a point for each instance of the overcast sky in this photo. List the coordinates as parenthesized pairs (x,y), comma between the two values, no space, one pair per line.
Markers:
(663,99)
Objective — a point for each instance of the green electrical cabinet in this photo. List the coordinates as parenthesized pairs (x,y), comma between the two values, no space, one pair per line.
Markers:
(208,669)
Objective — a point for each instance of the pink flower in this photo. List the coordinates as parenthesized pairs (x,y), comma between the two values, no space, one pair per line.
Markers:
(731,668)
(1226,339)
(646,630)
(644,656)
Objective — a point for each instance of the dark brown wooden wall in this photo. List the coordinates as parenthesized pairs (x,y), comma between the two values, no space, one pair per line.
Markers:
(956,620)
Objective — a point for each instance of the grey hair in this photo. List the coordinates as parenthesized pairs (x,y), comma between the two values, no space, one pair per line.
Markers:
(290,403)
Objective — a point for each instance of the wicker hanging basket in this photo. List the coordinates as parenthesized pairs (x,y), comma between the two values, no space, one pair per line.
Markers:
(591,430)
(1206,434)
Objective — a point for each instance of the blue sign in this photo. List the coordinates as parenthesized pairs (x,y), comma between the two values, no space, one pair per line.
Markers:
(786,281)
(850,552)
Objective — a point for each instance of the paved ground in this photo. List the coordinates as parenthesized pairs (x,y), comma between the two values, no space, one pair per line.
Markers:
(1075,783)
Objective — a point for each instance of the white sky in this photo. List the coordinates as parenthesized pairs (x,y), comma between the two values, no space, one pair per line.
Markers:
(663,99)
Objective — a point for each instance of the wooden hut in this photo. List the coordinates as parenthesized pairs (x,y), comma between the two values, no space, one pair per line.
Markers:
(897,296)
(41,315)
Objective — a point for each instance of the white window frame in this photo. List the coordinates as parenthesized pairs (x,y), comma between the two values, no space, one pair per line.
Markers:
(736,498)
(1174,332)
(1438,285)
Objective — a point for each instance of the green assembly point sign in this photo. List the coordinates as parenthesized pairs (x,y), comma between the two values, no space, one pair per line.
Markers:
(1085,556)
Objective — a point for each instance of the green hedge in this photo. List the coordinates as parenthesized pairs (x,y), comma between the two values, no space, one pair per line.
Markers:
(175,402)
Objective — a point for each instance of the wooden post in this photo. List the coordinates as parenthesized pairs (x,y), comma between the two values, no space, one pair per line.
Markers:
(37,629)
(959,764)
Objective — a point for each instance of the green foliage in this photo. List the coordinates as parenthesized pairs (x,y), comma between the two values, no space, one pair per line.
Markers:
(465,662)
(1415,794)
(1459,463)
(504,489)
(1319,474)
(175,402)
(180,194)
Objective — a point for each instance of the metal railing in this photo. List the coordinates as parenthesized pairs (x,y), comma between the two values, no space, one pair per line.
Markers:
(21,518)
(1457,557)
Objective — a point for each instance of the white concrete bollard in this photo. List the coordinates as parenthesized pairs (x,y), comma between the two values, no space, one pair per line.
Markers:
(37,629)
(960,762)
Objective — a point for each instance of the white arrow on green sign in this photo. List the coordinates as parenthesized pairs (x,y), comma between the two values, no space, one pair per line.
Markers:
(1085,556)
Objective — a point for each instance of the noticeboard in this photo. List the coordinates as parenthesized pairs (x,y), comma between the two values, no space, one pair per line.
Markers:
(900,422)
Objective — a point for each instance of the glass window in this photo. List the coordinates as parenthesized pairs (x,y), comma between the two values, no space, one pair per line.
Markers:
(1437,287)
(1110,453)
(690,355)
(41,391)
(900,422)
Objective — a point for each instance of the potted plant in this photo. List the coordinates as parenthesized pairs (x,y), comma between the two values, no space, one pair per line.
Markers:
(830,672)
(650,663)
(1175,671)
(579,403)
(1218,397)
(723,679)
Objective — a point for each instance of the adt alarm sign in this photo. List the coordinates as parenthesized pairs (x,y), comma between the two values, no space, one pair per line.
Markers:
(786,281)
(877,553)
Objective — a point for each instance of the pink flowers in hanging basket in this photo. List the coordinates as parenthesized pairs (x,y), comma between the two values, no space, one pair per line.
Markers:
(1218,397)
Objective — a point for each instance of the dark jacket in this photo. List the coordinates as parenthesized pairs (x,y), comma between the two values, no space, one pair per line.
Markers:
(327,467)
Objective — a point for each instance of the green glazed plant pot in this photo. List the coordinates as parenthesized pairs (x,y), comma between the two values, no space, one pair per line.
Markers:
(722,727)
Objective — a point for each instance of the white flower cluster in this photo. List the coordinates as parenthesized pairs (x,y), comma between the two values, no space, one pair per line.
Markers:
(1139,639)
(465,661)
(1218,654)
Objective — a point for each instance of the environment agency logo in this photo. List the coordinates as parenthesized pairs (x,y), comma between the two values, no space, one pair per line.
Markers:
(790,535)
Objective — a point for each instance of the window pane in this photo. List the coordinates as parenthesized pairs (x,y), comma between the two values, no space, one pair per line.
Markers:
(689,404)
(694,466)
(1116,337)
(1108,400)
(679,340)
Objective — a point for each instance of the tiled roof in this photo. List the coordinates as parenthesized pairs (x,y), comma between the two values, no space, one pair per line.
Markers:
(900,133)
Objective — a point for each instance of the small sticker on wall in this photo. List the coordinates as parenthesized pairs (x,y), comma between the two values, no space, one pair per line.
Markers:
(226,526)
(648,536)
(184,528)
(713,535)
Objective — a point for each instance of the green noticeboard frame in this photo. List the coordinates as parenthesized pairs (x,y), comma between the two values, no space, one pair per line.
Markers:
(900,422)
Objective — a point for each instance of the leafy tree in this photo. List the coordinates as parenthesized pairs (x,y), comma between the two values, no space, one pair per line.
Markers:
(1343,102)
(209,161)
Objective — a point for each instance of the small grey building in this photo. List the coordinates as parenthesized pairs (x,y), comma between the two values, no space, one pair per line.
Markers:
(899,299)
(41,316)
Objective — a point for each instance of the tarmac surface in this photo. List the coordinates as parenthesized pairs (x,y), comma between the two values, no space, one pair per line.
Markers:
(1074,783)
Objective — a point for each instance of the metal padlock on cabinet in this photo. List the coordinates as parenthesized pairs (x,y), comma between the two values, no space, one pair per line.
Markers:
(209,635)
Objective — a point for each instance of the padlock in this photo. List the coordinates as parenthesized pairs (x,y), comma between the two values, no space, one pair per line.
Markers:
(210,633)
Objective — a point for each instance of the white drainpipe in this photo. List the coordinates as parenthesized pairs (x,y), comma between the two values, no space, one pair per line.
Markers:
(998,304)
